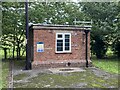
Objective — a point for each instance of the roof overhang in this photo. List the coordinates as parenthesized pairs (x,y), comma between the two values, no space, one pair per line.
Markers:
(59,27)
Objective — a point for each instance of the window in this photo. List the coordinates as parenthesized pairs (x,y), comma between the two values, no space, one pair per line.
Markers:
(63,42)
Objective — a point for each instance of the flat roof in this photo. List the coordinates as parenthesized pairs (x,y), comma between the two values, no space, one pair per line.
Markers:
(60,27)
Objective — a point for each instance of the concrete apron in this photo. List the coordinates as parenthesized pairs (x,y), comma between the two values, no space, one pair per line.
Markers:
(66,70)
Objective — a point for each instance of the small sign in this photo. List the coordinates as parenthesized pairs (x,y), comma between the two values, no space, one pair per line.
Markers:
(40,47)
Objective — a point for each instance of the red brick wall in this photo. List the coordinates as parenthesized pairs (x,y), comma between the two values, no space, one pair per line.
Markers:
(49,39)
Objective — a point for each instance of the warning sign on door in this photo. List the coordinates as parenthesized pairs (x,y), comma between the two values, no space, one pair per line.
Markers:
(40,47)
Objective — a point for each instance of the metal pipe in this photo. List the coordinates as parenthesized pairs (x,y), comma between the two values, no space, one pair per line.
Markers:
(86,49)
(27,67)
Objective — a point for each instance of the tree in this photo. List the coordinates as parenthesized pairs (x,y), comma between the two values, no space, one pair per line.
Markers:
(104,31)
(55,13)
(116,35)
(103,16)
(13,25)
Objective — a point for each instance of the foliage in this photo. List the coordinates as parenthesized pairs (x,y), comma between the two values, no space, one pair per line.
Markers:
(116,47)
(13,25)
(105,30)
(116,36)
(103,16)
(55,13)
(99,47)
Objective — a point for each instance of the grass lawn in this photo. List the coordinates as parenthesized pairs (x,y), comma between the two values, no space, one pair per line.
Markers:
(80,79)
(109,65)
(5,74)
(0,75)
(85,79)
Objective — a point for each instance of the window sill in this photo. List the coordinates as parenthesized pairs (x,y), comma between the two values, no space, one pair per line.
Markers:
(63,52)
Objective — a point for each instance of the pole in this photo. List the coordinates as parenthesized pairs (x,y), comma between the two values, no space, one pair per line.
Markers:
(27,67)
(86,49)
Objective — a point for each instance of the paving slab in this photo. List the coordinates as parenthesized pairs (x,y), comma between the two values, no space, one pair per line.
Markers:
(66,70)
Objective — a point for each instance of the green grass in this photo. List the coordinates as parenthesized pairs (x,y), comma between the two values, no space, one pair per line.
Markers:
(20,76)
(5,71)
(5,74)
(109,65)
(0,69)
(49,80)
(0,75)
(20,63)
(4,66)
(45,80)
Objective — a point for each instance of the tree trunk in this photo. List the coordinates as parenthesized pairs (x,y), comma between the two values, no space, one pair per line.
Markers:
(13,48)
(5,53)
(18,50)
(17,53)
(13,52)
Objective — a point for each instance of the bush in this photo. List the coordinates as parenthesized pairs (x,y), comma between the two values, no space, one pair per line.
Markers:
(99,47)
(116,47)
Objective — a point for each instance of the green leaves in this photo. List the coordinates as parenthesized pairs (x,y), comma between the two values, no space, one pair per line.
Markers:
(105,17)
(13,25)
(55,13)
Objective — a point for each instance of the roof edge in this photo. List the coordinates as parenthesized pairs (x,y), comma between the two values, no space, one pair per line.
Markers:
(56,26)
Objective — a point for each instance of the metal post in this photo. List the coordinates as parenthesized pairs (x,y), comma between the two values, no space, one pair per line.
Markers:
(27,67)
(86,49)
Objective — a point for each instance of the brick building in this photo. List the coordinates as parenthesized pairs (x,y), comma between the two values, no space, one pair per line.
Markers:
(59,45)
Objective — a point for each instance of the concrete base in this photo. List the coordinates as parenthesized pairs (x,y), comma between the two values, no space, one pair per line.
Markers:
(70,69)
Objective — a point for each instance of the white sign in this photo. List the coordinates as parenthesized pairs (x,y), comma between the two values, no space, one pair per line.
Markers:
(40,47)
